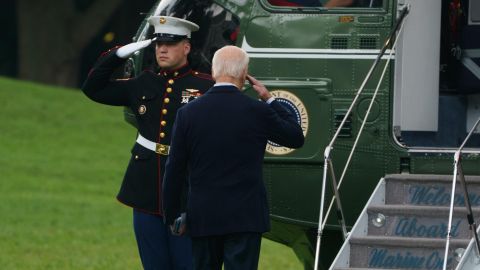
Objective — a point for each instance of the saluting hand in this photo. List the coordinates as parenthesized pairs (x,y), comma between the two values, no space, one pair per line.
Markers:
(261,90)
(129,49)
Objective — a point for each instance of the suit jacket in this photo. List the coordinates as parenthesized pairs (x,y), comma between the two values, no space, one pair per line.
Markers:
(219,140)
(154,99)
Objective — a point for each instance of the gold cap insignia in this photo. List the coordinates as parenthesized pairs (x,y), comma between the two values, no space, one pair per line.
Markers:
(142,109)
(162,20)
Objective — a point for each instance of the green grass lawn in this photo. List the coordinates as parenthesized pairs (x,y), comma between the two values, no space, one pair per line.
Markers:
(62,159)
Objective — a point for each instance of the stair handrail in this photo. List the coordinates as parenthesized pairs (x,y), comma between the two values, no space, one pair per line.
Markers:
(458,171)
(327,160)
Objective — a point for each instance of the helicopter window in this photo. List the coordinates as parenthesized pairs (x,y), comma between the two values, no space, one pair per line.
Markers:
(327,3)
(218,27)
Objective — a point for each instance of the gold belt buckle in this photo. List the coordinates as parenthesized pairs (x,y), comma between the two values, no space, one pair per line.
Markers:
(162,149)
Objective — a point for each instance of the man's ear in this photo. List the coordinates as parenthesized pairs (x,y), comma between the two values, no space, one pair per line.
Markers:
(187,47)
(245,72)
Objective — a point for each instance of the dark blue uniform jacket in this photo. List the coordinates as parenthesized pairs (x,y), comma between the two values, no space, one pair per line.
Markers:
(154,99)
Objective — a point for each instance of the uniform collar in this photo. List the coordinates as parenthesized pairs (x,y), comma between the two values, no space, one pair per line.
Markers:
(224,84)
(176,72)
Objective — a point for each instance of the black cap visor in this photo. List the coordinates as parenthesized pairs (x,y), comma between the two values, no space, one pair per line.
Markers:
(161,37)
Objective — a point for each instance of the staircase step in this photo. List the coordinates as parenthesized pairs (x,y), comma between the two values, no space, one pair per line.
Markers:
(405,242)
(419,221)
(433,190)
(400,252)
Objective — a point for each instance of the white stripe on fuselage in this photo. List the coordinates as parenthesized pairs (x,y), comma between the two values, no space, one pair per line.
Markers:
(311,53)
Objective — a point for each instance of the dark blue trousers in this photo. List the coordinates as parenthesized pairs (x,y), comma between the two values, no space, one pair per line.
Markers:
(238,251)
(158,248)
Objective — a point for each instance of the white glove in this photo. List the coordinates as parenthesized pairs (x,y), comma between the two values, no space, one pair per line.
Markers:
(129,49)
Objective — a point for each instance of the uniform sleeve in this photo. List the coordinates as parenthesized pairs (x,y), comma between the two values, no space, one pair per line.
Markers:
(283,129)
(175,171)
(100,88)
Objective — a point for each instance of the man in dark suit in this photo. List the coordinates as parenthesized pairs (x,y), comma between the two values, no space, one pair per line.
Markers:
(219,141)
(154,98)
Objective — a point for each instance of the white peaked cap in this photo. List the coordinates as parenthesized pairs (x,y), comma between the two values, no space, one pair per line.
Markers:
(170,28)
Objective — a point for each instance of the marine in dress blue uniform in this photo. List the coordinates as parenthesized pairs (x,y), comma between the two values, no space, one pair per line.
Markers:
(154,98)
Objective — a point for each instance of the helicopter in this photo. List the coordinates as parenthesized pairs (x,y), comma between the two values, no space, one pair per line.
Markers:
(323,60)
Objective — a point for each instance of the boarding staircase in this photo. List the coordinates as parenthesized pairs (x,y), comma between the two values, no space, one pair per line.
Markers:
(410,221)
(404,225)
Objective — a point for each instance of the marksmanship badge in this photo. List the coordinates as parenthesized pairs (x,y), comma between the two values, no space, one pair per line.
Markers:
(190,94)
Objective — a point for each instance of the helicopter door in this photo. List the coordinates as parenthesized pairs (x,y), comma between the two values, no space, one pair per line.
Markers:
(437,75)
(416,68)
(469,77)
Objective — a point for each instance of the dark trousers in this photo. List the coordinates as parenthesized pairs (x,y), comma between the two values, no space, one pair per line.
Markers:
(239,251)
(158,248)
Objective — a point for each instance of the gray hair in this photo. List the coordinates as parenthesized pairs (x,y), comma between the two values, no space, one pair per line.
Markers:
(229,61)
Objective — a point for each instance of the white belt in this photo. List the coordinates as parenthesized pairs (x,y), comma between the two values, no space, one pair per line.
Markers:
(158,148)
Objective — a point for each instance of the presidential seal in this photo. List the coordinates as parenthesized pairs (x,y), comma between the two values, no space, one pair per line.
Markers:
(296,107)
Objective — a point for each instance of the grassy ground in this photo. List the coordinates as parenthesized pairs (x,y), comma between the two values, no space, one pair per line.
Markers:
(61,162)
